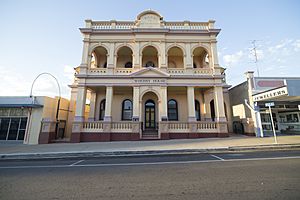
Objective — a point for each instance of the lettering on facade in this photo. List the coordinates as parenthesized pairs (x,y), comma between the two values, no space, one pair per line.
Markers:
(270,94)
(150,81)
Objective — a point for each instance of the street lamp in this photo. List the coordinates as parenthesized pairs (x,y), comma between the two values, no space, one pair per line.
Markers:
(59,94)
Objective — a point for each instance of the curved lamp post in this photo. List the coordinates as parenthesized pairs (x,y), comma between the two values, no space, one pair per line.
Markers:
(59,91)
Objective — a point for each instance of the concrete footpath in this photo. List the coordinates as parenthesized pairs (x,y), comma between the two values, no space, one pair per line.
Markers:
(10,150)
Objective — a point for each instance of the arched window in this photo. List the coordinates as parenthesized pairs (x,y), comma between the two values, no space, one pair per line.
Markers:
(150,64)
(128,65)
(197,110)
(172,110)
(102,110)
(127,110)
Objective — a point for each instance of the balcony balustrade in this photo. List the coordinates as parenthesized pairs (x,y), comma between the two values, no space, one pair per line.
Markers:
(104,25)
(173,127)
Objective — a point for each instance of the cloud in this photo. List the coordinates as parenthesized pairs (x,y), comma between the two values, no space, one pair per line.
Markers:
(231,59)
(69,72)
(296,45)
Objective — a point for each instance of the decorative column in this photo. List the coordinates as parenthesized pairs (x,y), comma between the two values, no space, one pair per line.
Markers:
(92,106)
(164,103)
(108,103)
(191,104)
(220,112)
(111,59)
(80,104)
(219,104)
(79,114)
(136,104)
(188,59)
(136,56)
(136,124)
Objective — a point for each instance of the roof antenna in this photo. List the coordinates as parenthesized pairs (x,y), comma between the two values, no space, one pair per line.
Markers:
(255,56)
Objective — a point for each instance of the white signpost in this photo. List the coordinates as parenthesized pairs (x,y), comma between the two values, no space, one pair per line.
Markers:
(270,111)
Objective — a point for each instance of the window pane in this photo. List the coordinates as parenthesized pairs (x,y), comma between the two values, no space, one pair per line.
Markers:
(13,129)
(21,134)
(23,123)
(3,128)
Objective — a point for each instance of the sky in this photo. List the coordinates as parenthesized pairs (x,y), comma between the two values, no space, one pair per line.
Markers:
(43,36)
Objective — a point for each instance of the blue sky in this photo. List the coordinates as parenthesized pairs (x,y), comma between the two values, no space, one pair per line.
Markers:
(43,36)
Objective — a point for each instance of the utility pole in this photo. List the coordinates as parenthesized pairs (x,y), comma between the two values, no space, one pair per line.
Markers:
(255,56)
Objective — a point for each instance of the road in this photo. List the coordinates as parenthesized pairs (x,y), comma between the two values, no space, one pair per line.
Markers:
(240,175)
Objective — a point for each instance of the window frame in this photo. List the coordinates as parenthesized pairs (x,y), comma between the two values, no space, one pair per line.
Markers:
(197,109)
(102,110)
(176,110)
(123,110)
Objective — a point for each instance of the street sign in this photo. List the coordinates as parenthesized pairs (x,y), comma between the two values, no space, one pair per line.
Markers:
(299,107)
(269,104)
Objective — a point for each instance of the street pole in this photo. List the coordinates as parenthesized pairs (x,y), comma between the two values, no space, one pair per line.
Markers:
(274,132)
(59,96)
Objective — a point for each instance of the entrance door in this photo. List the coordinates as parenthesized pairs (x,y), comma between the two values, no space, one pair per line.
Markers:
(150,114)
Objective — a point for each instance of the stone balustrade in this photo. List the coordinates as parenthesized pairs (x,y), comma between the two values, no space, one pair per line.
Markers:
(178,126)
(171,71)
(127,126)
(123,71)
(186,25)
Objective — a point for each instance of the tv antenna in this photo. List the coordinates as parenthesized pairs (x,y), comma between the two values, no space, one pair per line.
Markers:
(255,55)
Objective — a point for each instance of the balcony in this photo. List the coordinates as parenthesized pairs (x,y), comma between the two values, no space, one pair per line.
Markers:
(171,71)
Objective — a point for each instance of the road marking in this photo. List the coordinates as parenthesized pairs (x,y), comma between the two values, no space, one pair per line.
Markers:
(150,163)
(77,162)
(217,157)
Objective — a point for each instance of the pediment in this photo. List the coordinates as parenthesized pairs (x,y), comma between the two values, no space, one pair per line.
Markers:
(150,72)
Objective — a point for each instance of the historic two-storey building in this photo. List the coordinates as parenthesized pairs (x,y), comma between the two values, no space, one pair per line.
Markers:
(149,79)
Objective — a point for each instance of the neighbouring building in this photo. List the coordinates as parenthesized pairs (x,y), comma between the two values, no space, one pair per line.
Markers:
(284,92)
(149,79)
(33,120)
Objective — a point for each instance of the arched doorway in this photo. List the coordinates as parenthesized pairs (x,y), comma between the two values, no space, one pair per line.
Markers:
(150,115)
(150,57)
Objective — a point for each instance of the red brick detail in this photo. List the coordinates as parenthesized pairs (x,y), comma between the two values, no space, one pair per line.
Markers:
(95,137)
(46,138)
(75,137)
(207,135)
(193,135)
(221,135)
(164,136)
(178,135)
(134,136)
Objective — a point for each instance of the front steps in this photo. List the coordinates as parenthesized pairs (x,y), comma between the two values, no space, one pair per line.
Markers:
(150,135)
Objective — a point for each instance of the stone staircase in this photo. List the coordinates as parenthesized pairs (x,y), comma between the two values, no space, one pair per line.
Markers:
(150,135)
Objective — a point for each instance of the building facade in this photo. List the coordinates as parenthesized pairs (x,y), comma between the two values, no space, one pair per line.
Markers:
(283,92)
(149,79)
(33,120)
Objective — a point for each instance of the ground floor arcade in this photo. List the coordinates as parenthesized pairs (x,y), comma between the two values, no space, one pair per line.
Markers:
(149,112)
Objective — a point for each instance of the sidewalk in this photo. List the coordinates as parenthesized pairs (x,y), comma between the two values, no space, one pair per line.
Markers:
(232,143)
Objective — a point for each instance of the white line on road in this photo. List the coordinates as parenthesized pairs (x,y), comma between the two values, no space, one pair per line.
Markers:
(149,163)
(217,157)
(77,162)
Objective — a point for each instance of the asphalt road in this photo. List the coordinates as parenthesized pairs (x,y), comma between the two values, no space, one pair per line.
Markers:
(244,175)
